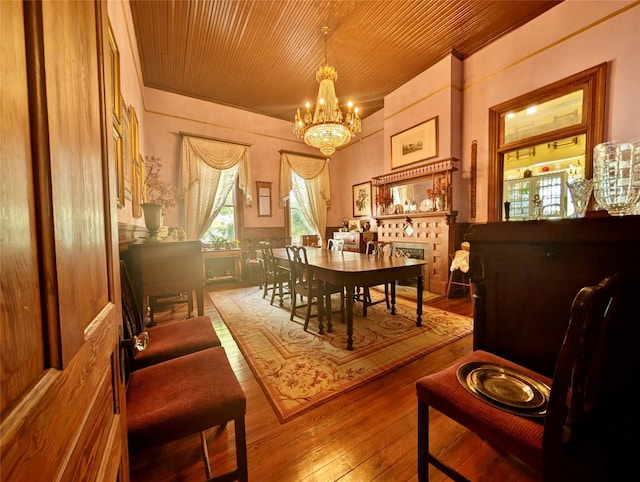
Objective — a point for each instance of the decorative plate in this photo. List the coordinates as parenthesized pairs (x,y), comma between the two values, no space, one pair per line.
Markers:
(505,388)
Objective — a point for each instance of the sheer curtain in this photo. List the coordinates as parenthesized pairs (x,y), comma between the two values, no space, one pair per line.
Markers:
(314,173)
(208,171)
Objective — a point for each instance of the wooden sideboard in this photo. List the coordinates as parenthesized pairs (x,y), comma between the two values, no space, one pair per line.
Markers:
(355,241)
(222,264)
(166,268)
(526,275)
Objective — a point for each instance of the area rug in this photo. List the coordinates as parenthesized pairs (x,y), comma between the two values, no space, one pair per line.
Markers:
(299,370)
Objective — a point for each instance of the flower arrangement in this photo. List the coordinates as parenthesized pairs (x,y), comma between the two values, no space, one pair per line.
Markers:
(384,196)
(155,190)
(438,190)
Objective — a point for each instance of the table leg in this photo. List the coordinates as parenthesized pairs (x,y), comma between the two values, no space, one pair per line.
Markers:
(328,310)
(419,301)
(349,316)
(393,297)
(200,301)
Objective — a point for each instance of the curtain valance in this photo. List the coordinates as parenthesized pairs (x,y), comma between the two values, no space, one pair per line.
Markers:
(219,155)
(308,168)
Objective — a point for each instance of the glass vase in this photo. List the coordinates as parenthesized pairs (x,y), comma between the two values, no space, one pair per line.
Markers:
(580,191)
(616,176)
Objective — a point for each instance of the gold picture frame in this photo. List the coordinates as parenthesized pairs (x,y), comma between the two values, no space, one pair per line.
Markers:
(137,178)
(118,155)
(136,164)
(114,84)
(126,148)
(116,113)
(415,144)
(362,199)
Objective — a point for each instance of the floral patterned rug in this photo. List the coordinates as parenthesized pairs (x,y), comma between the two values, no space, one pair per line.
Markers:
(299,370)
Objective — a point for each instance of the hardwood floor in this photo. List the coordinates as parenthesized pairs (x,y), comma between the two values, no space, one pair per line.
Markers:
(367,434)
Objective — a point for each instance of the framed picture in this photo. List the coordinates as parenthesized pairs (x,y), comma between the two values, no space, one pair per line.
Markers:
(264,198)
(136,165)
(114,81)
(116,113)
(117,154)
(354,225)
(137,180)
(362,199)
(126,149)
(415,144)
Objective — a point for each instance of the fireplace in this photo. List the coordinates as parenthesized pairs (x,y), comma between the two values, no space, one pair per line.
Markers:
(415,251)
(428,239)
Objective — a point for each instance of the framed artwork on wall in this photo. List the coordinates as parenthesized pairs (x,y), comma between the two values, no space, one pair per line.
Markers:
(415,144)
(264,198)
(136,164)
(137,180)
(126,149)
(118,155)
(114,81)
(116,113)
(362,199)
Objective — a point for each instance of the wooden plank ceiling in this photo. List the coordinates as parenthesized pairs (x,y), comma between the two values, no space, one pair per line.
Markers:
(262,55)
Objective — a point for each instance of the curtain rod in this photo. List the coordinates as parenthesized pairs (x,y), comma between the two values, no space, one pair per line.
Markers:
(282,151)
(226,141)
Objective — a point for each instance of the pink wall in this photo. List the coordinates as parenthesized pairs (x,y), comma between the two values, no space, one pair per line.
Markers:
(569,38)
(130,78)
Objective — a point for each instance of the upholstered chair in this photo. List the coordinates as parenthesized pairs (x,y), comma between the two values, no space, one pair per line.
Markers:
(186,396)
(551,424)
(148,346)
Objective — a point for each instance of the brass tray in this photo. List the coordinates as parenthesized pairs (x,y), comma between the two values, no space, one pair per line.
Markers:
(505,388)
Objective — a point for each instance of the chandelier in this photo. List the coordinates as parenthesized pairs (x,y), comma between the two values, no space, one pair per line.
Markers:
(327,129)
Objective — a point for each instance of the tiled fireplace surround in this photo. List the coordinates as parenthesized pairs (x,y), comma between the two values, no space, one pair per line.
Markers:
(431,236)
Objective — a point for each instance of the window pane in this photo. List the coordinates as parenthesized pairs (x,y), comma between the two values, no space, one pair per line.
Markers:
(298,225)
(223,226)
(548,116)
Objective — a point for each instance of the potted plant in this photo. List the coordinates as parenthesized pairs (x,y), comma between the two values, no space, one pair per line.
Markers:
(156,196)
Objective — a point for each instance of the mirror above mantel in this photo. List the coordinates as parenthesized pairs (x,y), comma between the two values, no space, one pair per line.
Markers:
(423,189)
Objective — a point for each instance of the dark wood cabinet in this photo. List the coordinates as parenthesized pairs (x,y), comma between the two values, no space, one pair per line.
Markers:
(354,241)
(526,275)
(166,268)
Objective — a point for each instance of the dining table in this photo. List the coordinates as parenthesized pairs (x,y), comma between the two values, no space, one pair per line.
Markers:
(351,270)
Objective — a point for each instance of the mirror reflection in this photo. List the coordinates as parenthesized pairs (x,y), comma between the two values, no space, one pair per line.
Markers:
(536,179)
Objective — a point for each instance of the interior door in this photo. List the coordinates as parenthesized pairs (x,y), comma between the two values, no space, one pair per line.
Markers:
(61,385)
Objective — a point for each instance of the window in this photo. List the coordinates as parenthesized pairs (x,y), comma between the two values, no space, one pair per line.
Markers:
(540,142)
(223,226)
(298,226)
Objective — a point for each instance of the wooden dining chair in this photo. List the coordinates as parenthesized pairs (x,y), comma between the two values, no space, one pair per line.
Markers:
(186,396)
(275,276)
(378,249)
(555,433)
(306,285)
(147,346)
